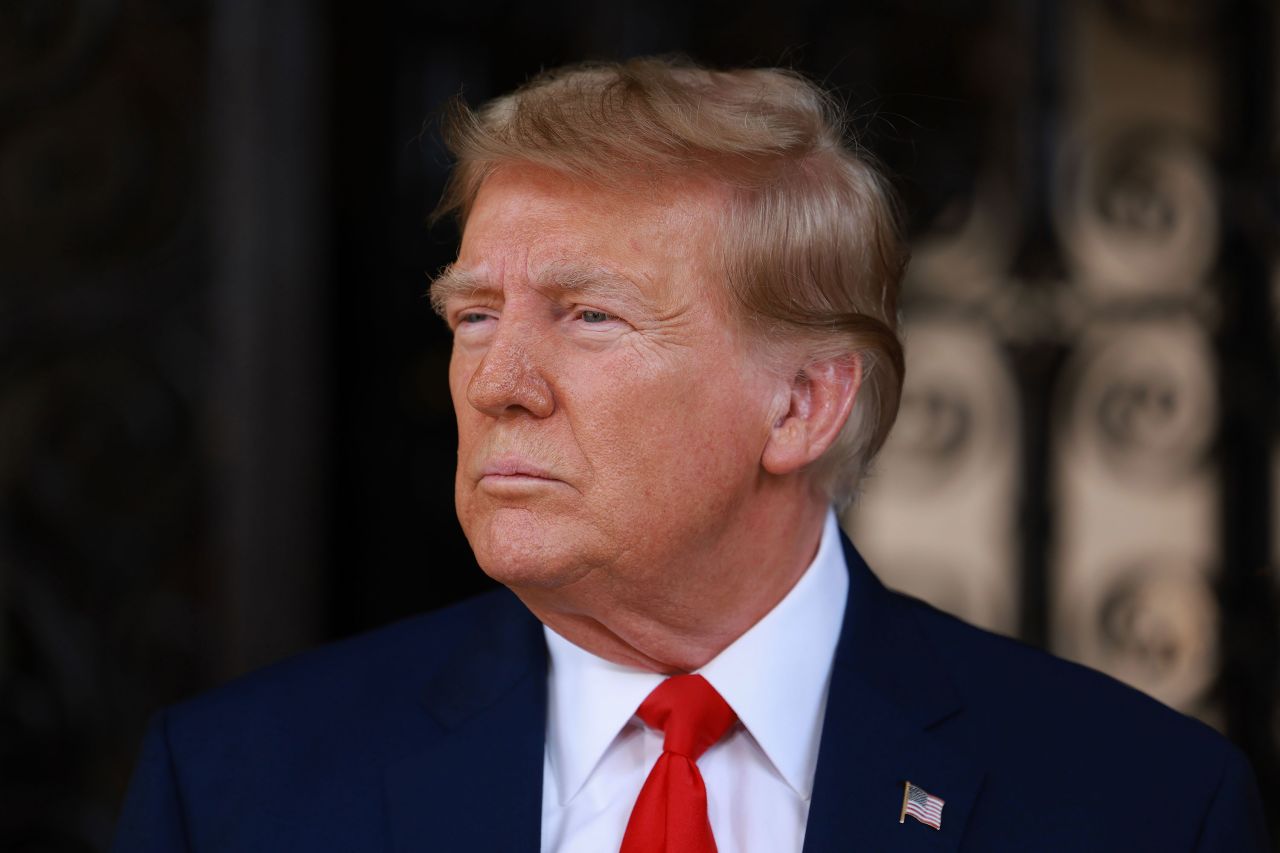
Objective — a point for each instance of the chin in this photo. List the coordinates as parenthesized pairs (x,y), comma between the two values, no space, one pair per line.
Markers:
(520,550)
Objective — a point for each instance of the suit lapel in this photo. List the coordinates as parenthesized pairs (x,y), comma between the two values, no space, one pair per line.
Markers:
(889,704)
(475,781)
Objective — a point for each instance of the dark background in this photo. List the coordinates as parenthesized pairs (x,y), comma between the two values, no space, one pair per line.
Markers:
(225,431)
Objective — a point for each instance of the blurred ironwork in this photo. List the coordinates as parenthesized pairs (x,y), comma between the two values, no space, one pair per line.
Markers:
(105,558)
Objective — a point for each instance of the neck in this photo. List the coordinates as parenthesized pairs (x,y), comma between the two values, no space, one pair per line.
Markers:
(689,606)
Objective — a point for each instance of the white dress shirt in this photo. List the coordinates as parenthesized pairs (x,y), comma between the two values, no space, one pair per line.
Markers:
(759,777)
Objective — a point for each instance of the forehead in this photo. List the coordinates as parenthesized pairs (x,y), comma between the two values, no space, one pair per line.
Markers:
(528,219)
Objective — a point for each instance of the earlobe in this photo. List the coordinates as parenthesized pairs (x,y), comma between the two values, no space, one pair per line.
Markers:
(821,396)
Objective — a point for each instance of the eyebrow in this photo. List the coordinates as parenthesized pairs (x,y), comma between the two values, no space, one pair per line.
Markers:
(558,276)
(453,282)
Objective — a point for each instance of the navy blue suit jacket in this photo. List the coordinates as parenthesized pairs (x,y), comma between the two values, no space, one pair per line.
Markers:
(428,736)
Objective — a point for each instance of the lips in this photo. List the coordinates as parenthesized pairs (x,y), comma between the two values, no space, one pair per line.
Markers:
(514,466)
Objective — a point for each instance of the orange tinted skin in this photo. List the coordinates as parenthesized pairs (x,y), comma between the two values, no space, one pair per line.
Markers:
(625,465)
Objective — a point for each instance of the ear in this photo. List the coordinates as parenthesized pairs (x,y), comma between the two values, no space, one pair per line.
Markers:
(821,398)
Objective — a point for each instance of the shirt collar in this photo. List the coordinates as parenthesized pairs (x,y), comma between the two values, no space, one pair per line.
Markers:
(589,700)
(775,677)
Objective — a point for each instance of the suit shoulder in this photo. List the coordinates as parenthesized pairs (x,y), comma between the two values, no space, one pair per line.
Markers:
(352,677)
(295,756)
(1092,751)
(1015,688)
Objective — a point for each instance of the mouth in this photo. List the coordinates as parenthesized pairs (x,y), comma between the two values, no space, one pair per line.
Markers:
(506,473)
(513,466)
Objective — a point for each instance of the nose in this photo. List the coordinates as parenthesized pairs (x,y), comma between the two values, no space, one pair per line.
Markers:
(509,381)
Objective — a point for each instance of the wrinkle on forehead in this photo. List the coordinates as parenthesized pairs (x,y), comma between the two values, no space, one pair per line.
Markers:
(536,227)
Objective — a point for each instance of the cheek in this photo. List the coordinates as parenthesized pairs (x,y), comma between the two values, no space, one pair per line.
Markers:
(468,419)
(459,376)
(674,434)
(469,426)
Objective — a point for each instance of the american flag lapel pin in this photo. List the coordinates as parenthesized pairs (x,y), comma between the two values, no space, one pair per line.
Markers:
(921,805)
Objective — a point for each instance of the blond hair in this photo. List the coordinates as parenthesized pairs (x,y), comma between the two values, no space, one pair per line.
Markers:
(812,251)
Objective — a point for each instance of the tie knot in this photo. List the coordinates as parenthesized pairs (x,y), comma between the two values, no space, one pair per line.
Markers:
(690,714)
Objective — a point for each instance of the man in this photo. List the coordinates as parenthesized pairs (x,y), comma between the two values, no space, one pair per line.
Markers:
(673,312)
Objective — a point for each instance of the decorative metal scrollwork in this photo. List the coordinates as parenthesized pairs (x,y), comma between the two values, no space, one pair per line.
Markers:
(49,47)
(957,406)
(1142,395)
(1153,625)
(100,546)
(96,462)
(1165,22)
(91,182)
(1137,213)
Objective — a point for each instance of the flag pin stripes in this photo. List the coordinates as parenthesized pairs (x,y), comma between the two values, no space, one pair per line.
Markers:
(921,805)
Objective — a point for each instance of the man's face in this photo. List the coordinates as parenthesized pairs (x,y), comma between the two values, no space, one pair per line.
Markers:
(610,418)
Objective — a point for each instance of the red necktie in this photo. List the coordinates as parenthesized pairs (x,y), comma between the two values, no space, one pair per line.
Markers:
(670,815)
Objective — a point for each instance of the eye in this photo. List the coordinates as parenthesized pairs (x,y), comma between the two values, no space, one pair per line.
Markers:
(591,316)
(472,317)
